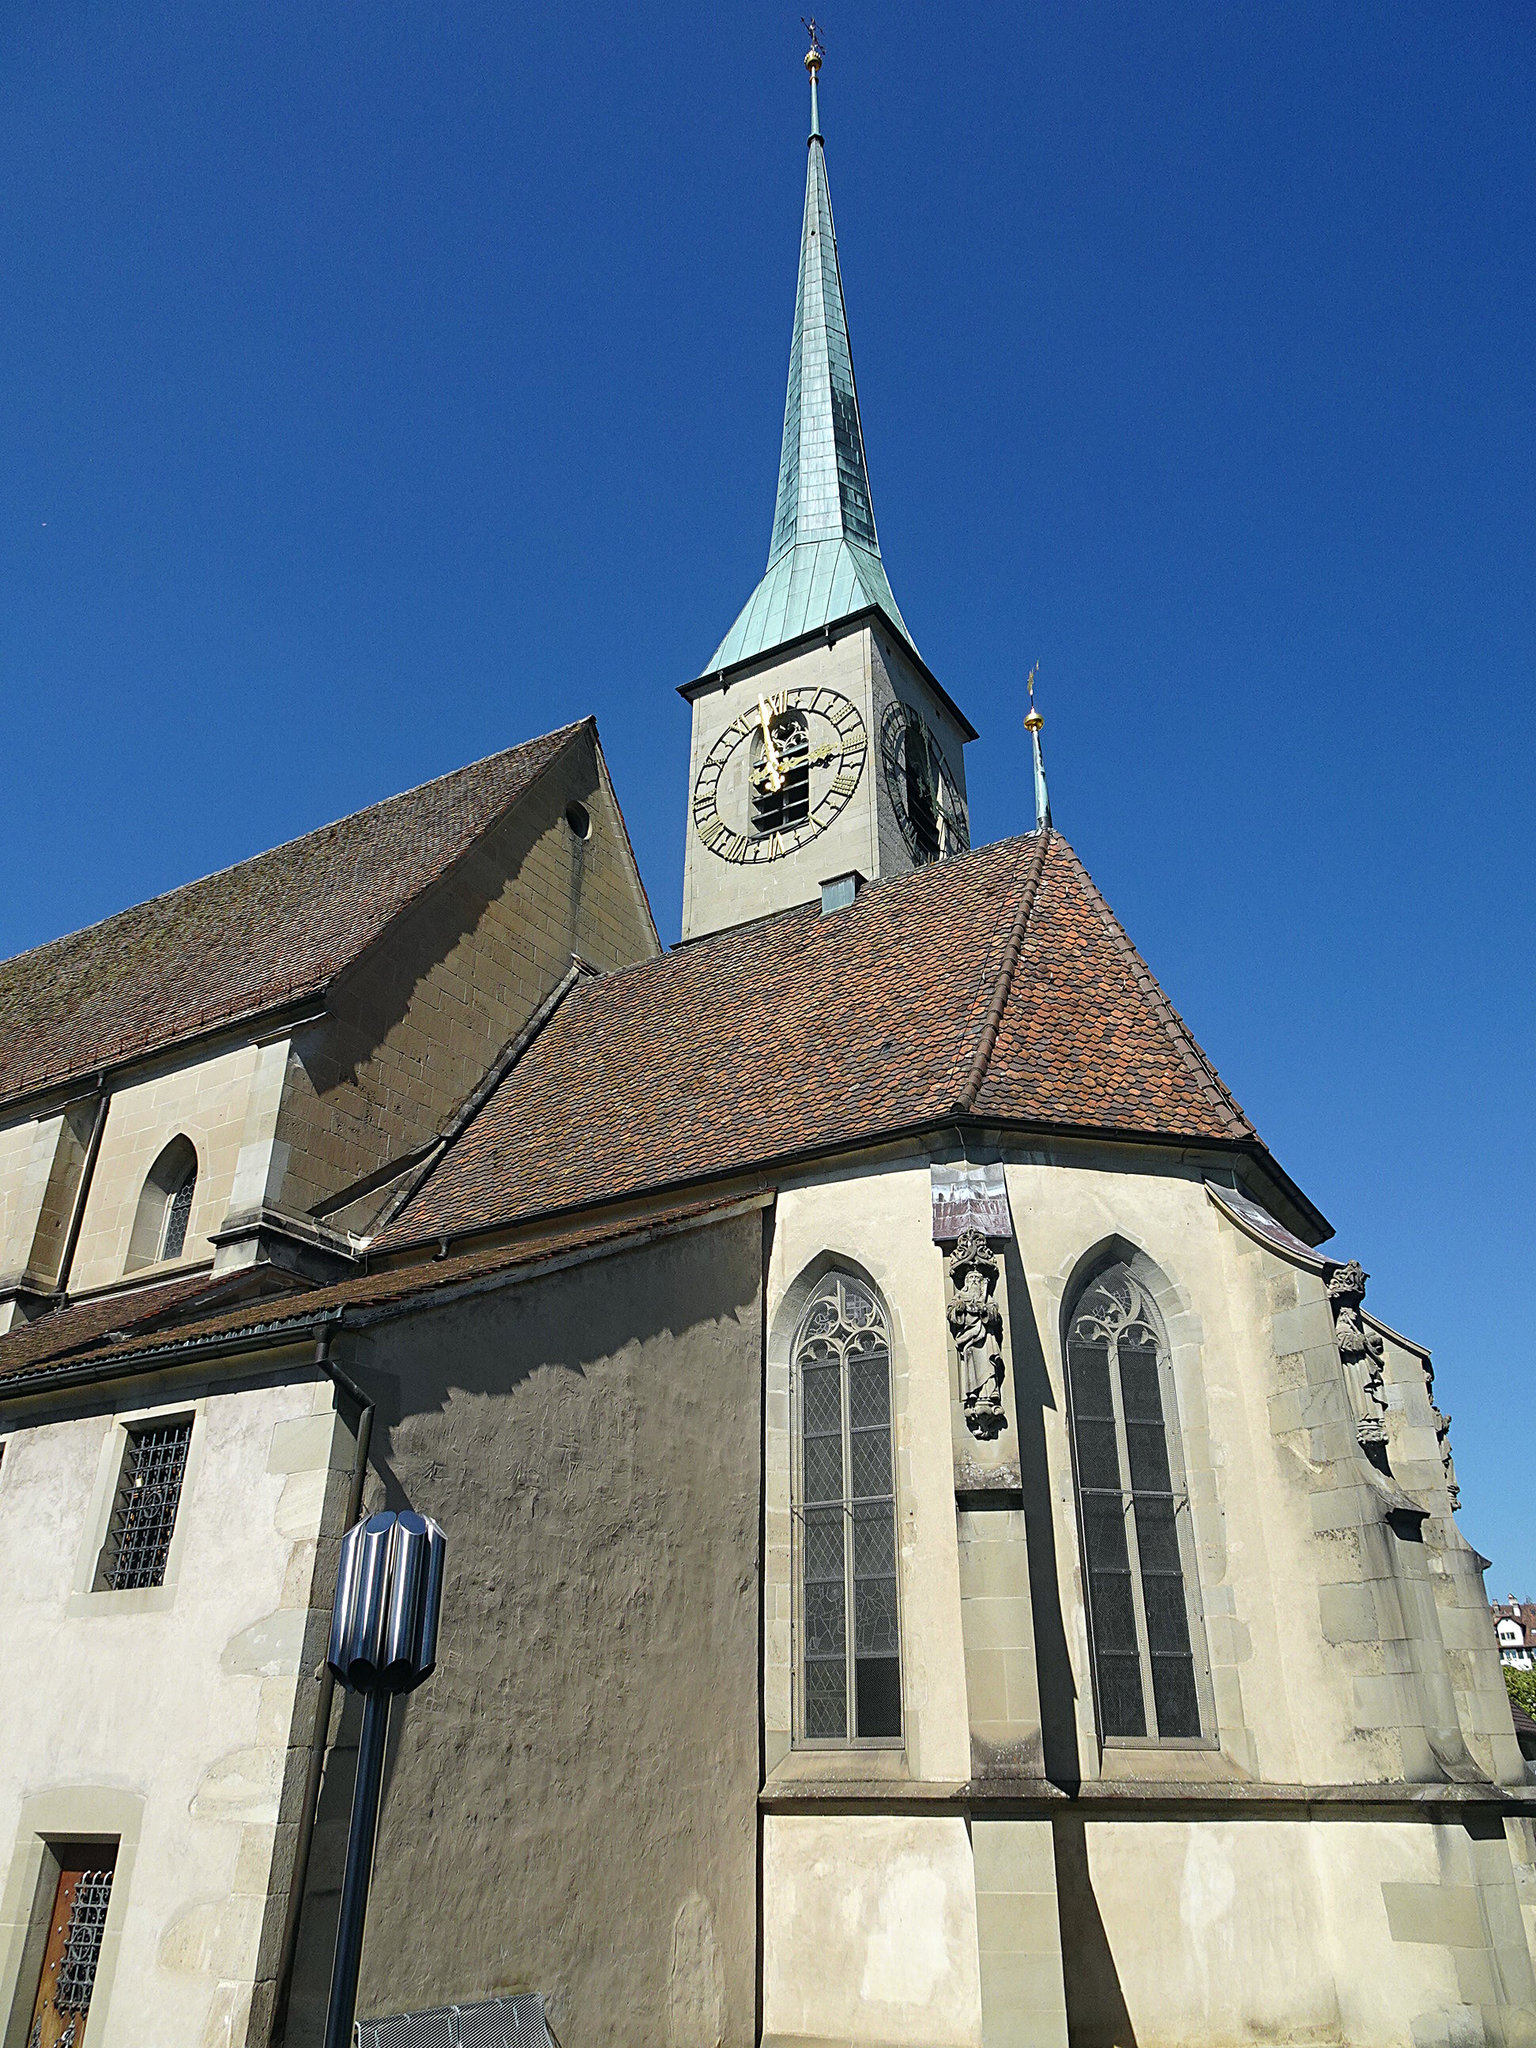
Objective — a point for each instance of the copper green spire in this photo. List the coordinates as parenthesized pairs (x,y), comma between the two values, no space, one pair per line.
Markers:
(824,557)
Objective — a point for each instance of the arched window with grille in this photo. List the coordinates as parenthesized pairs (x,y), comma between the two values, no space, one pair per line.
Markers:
(1138,1551)
(165,1206)
(849,1662)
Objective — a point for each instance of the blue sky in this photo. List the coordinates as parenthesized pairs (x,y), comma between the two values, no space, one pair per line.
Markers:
(386,384)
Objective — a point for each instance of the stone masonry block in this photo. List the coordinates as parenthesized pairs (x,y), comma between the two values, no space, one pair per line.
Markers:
(1443,1914)
(1348,1613)
(1023,1923)
(1014,1856)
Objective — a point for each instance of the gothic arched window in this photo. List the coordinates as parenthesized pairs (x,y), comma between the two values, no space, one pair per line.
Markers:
(165,1206)
(845,1509)
(1138,1556)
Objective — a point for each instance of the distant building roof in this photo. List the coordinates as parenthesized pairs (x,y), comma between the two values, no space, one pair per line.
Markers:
(996,986)
(275,928)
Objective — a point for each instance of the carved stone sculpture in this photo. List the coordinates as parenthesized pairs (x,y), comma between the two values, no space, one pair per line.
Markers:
(976,1324)
(1360,1348)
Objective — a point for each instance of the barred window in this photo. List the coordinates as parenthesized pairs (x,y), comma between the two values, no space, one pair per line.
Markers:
(165,1206)
(845,1518)
(144,1511)
(1137,1547)
(72,1952)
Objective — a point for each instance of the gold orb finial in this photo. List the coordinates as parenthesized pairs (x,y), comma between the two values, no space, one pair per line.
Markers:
(814,54)
(1032,718)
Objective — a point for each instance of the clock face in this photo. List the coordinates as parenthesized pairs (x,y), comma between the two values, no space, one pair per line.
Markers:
(779,774)
(927,796)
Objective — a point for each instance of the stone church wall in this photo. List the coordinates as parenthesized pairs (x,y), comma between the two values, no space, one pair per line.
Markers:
(570,1804)
(418,1021)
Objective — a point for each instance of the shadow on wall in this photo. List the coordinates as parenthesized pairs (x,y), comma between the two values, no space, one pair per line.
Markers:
(1033,1395)
(1096,2010)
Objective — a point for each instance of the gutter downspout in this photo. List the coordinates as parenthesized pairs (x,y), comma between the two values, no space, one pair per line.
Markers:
(344,1384)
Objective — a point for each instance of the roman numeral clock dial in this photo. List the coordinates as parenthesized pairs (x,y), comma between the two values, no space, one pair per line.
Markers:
(779,774)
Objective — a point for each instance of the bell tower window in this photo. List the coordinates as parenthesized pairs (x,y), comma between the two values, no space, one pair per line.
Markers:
(781,786)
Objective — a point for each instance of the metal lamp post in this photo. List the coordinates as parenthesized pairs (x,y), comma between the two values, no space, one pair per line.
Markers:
(389,1591)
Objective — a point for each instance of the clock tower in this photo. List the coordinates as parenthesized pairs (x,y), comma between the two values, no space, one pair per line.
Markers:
(823,746)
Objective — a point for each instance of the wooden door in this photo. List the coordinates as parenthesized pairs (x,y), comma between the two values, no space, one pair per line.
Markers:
(74,1944)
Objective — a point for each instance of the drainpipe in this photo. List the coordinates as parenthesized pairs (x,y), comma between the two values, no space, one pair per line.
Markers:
(87,1170)
(365,1407)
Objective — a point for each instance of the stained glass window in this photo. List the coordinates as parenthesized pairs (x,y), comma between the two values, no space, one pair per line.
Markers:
(177,1210)
(1133,1511)
(850,1648)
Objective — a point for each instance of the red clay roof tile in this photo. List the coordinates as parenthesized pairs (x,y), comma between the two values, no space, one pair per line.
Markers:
(276,928)
(810,1031)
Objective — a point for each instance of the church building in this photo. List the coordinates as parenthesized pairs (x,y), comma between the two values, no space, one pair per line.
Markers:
(938,1553)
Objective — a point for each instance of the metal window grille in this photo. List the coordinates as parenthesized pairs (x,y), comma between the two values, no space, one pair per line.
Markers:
(144,1513)
(850,1649)
(518,2022)
(1134,1515)
(177,1211)
(82,1944)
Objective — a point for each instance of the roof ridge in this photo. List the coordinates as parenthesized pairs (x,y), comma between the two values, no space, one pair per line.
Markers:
(417,1177)
(558,732)
(1191,1053)
(1002,986)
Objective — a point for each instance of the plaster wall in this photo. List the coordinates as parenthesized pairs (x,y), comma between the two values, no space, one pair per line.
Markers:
(871,1935)
(172,1716)
(206,1100)
(570,1804)
(1203,1933)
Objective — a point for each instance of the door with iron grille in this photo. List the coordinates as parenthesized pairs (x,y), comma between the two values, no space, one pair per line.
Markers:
(75,1928)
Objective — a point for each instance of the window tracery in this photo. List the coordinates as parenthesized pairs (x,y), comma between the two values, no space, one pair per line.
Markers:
(1137,1553)
(845,1511)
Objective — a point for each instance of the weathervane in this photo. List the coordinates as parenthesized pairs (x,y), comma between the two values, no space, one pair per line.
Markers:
(1033,721)
(813,57)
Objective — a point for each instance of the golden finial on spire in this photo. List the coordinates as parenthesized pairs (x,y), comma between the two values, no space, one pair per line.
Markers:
(815,53)
(1032,718)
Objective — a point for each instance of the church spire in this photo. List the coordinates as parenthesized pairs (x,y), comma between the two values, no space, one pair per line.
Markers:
(824,557)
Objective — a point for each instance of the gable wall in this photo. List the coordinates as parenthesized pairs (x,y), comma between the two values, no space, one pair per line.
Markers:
(415,1025)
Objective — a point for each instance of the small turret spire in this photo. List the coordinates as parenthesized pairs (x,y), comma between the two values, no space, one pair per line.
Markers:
(1033,721)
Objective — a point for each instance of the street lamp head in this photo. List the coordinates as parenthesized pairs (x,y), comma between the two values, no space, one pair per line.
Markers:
(389,1590)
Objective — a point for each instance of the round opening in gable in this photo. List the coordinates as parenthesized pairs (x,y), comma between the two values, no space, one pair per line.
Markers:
(579,818)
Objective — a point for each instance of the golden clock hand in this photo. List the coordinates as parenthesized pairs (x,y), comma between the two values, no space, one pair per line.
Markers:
(770,751)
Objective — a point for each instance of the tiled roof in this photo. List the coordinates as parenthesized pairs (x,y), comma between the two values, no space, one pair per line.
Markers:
(996,984)
(275,928)
(128,1316)
(183,1312)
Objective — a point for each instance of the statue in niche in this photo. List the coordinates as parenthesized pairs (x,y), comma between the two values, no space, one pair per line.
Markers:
(1360,1348)
(976,1324)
